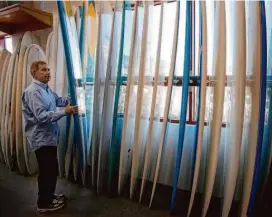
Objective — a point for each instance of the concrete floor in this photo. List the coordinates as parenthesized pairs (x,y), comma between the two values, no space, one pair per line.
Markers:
(18,199)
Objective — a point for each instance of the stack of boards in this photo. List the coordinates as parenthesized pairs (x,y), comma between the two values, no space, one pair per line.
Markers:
(15,77)
(118,150)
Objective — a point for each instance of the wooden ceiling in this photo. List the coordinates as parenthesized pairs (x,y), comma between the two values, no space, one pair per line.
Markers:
(19,18)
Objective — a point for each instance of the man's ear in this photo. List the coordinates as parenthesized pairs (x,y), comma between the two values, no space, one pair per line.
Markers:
(33,74)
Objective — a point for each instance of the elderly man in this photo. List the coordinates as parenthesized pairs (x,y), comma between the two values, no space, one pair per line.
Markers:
(39,104)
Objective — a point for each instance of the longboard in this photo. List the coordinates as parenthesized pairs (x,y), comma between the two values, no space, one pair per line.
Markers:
(11,98)
(218,103)
(184,102)
(262,111)
(49,57)
(237,102)
(202,101)
(2,90)
(266,150)
(114,147)
(125,159)
(74,72)
(139,101)
(96,99)
(3,57)
(33,53)
(107,103)
(153,106)
(167,101)
(27,39)
(59,84)
(4,107)
(253,69)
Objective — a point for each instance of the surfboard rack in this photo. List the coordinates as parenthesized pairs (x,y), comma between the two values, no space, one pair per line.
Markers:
(20,18)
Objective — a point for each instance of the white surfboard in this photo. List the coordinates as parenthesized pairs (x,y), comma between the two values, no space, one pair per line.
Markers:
(58,83)
(253,68)
(202,107)
(33,53)
(61,88)
(27,39)
(167,102)
(10,108)
(238,26)
(218,103)
(107,107)
(153,105)
(140,89)
(4,107)
(125,163)
(96,97)
(49,58)
(5,57)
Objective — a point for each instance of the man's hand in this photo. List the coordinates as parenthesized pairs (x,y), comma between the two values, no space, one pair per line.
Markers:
(71,109)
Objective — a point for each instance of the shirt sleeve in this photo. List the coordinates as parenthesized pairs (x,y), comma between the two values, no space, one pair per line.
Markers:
(36,104)
(61,101)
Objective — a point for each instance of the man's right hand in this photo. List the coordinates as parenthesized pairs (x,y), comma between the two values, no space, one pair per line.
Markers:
(71,109)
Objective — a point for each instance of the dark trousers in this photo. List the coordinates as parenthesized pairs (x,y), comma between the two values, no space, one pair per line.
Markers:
(48,172)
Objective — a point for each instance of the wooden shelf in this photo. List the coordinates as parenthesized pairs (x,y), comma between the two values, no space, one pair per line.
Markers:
(19,18)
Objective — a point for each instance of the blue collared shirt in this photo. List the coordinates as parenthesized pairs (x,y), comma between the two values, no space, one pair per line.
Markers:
(39,104)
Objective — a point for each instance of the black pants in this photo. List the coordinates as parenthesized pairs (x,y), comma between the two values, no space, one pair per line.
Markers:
(48,172)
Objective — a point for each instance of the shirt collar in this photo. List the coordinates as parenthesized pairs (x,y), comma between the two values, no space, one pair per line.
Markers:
(43,85)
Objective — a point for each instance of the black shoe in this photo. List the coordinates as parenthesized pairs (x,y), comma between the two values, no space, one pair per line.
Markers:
(54,206)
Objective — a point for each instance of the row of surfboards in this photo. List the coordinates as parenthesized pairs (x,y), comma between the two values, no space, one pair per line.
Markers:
(125,148)
(15,77)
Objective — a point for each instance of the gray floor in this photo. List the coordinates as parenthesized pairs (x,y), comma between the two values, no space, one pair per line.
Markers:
(18,199)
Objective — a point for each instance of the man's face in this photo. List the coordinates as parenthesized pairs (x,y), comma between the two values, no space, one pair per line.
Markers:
(43,73)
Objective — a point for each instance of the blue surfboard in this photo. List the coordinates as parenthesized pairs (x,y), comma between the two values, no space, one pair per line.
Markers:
(79,140)
(262,109)
(114,145)
(184,102)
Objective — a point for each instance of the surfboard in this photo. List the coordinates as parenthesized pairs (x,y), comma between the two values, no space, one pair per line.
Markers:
(167,101)
(266,150)
(253,69)
(96,98)
(84,56)
(3,56)
(49,58)
(153,105)
(125,161)
(61,88)
(5,61)
(27,39)
(184,102)
(33,53)
(262,111)
(107,106)
(114,148)
(74,71)
(10,114)
(202,101)
(218,103)
(139,99)
(238,99)
(70,142)
(3,115)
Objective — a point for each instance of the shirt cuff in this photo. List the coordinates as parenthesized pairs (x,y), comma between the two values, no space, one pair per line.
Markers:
(61,113)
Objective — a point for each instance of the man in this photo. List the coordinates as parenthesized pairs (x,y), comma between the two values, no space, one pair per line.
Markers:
(39,104)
